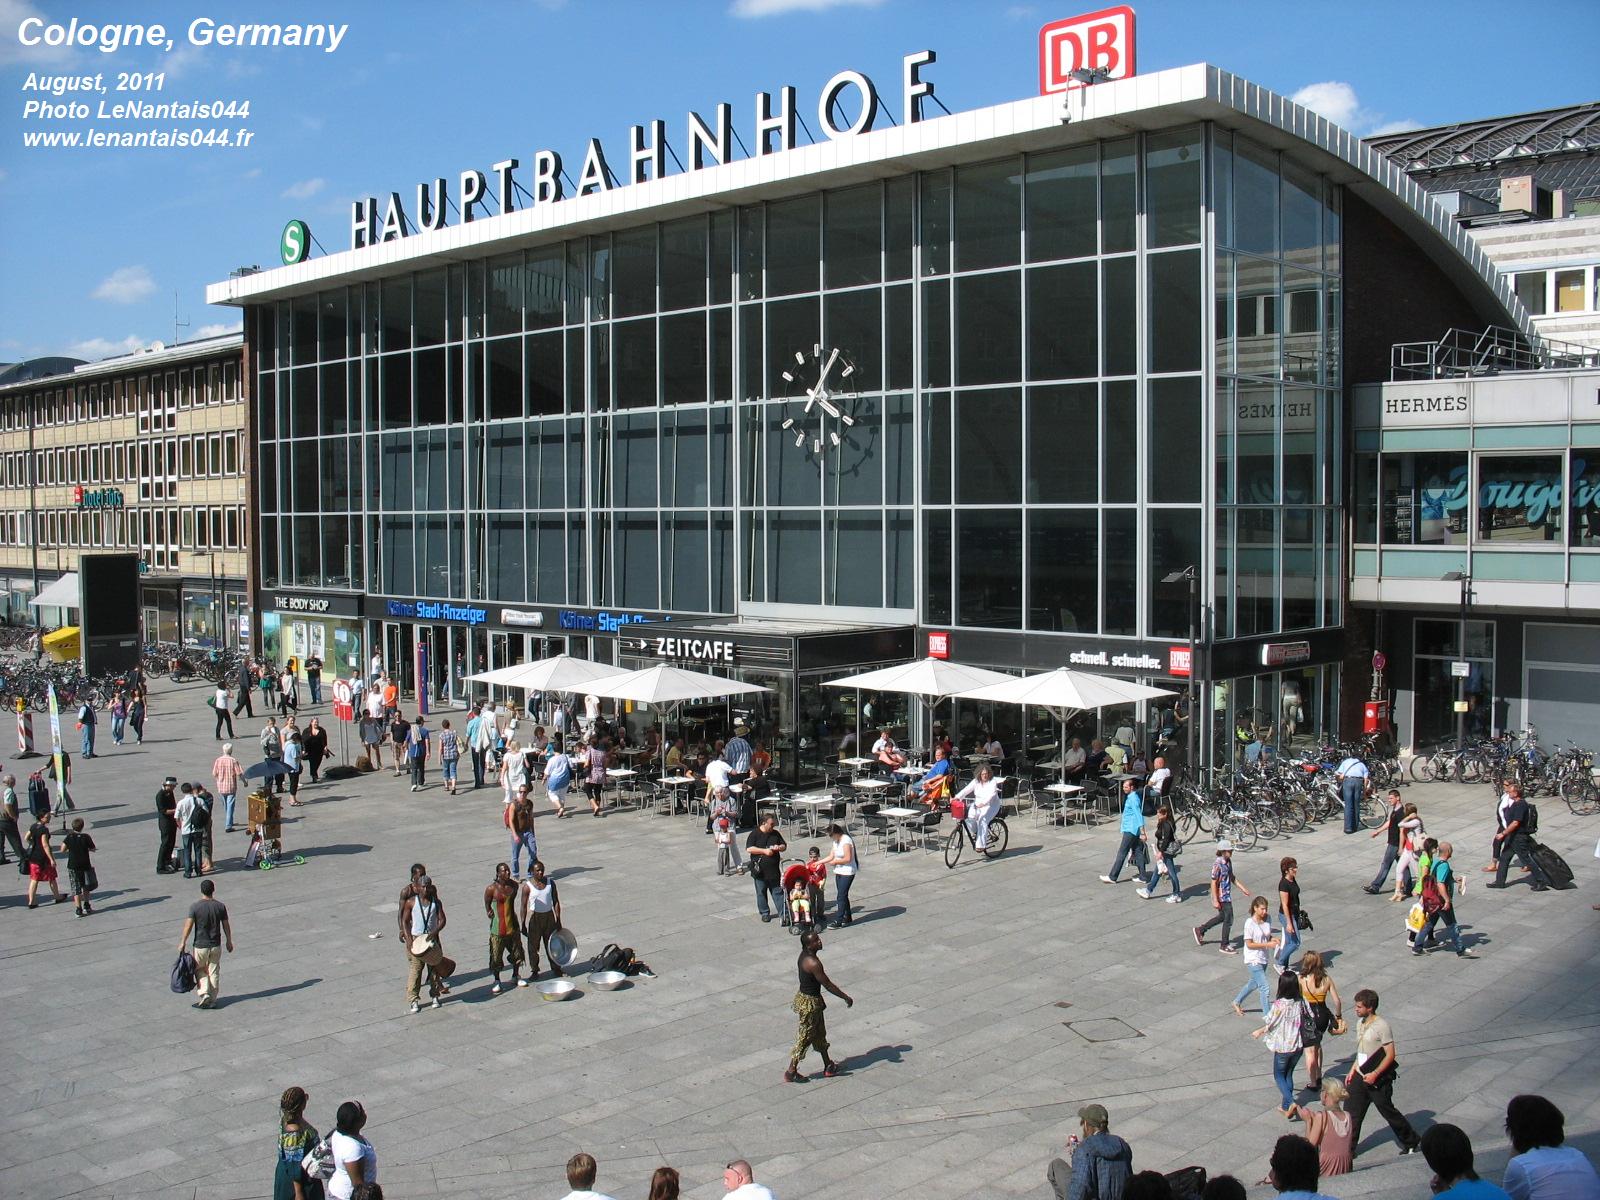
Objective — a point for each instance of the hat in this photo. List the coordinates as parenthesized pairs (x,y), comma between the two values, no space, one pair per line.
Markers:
(1224,844)
(1094,1114)
(740,727)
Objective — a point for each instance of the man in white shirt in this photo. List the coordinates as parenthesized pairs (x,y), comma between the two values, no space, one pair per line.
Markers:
(190,838)
(581,1170)
(375,668)
(1160,778)
(1352,774)
(1543,1168)
(740,1180)
(1073,760)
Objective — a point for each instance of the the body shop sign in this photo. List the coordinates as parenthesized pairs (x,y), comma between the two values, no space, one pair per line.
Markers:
(1098,41)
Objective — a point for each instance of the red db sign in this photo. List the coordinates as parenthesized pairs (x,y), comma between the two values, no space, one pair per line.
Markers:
(1095,41)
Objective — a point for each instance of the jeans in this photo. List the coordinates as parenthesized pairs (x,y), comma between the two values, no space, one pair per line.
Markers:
(519,841)
(315,684)
(1519,845)
(1291,941)
(118,724)
(229,799)
(419,766)
(1445,917)
(223,718)
(447,768)
(1390,853)
(1352,789)
(1172,873)
(193,847)
(477,767)
(1257,980)
(841,901)
(763,889)
(1224,918)
(88,741)
(1283,1066)
(1130,842)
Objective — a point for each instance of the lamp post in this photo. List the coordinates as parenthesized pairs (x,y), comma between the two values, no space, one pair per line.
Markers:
(1193,576)
(1465,580)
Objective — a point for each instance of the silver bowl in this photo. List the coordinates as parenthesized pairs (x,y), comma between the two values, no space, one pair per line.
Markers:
(607,981)
(557,989)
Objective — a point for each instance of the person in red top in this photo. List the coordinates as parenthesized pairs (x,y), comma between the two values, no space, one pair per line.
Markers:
(505,934)
(817,875)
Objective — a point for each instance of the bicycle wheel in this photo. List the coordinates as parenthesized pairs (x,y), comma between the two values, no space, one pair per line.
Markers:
(1189,825)
(1372,811)
(1268,821)
(1296,812)
(952,844)
(1239,829)
(1422,768)
(1581,794)
(999,837)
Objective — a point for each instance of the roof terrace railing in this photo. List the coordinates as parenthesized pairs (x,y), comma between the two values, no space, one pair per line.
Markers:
(1464,353)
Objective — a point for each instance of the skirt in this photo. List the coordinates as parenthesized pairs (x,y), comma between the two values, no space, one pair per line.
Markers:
(42,872)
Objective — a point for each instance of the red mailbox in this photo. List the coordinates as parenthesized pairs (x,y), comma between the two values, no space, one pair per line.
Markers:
(1375,717)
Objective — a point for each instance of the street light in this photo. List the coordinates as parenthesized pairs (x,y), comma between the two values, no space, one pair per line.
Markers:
(1465,580)
(1193,576)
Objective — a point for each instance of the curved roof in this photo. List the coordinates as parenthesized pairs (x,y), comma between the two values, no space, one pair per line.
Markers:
(1574,129)
(33,369)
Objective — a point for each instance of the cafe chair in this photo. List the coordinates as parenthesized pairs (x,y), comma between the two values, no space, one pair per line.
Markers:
(926,831)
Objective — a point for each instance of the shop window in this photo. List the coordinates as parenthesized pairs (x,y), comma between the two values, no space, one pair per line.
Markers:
(1425,499)
(1570,294)
(1519,498)
(1364,529)
(1585,509)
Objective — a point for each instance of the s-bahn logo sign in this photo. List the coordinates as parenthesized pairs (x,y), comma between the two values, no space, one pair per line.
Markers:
(1080,50)
(706,143)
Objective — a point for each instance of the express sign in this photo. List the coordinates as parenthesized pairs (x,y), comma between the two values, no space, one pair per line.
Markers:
(1098,41)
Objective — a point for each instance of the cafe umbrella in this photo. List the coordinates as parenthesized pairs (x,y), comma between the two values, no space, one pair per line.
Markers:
(560,673)
(669,688)
(934,679)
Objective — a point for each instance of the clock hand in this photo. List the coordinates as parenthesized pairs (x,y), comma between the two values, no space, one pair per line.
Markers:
(828,366)
(828,408)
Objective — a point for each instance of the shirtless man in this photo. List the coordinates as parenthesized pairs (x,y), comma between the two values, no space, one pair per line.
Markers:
(809,1006)
(505,933)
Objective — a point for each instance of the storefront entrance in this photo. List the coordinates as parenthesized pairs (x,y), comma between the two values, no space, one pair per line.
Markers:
(456,651)
(1437,646)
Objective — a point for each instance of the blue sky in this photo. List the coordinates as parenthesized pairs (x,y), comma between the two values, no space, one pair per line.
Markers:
(94,244)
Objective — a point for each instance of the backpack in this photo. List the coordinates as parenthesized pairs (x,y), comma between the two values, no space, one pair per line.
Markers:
(200,819)
(1432,894)
(183,973)
(1531,825)
(38,795)
(318,1161)
(614,958)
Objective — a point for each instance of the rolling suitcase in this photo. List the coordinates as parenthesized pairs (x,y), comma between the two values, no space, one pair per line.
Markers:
(1554,866)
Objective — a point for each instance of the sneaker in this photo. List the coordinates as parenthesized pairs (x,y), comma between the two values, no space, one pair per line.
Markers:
(437,1003)
(1141,893)
(495,990)
(1107,879)
(1174,899)
(415,1008)
(1198,940)
(522,983)
(1405,1150)
(1228,950)
(792,1076)
(830,1071)
(1370,890)
(1466,954)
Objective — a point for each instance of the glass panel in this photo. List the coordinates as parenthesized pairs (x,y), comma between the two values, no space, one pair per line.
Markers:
(937,441)
(898,351)
(1425,499)
(502,467)
(852,234)
(683,458)
(1175,441)
(683,263)
(1256,316)
(793,472)
(989,447)
(794,559)
(1302,325)
(633,473)
(900,450)
(1255,197)
(1174,291)
(1299,424)
(1120,445)
(1063,329)
(1530,287)
(545,371)
(507,566)
(855,560)
(505,288)
(1118,198)
(936,565)
(854,467)
(1365,496)
(1301,563)
(433,402)
(900,559)
(1256,585)
(1302,217)
(683,359)
(1062,203)
(638,546)
(686,563)
(853,323)
(936,334)
(793,246)
(633,348)
(544,282)
(792,328)
(633,271)
(1064,445)
(1119,552)
(1223,416)
(1172,187)
(1120,314)
(752,223)
(935,213)
(1585,518)
(989,328)
(1222,325)
(900,227)
(1064,574)
(1569,291)
(1222,613)
(721,268)
(988,214)
(1257,432)
(505,378)
(1222,184)
(1519,498)
(721,354)
(395,370)
(989,554)
(1174,546)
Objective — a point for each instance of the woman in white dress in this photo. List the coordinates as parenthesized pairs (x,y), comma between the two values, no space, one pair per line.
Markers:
(984,794)
(513,769)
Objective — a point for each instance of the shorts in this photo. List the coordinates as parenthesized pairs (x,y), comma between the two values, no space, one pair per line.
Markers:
(447,768)
(78,882)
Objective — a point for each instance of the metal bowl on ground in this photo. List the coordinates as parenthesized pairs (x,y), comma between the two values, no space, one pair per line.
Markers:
(607,981)
(557,989)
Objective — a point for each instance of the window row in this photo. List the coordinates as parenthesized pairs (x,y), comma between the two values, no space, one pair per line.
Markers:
(1559,290)
(1445,498)
(1277,569)
(852,558)
(201,456)
(203,528)
(151,396)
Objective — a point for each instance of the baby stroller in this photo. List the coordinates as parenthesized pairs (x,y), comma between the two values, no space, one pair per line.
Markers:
(805,908)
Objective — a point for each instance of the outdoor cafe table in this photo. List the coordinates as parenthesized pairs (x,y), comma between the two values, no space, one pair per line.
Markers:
(674,787)
(901,818)
(871,785)
(813,805)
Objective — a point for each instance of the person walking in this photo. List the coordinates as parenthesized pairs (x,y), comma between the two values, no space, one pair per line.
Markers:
(314,678)
(1166,846)
(1327,1009)
(1439,892)
(288,692)
(138,710)
(227,772)
(1258,943)
(1284,1034)
(1391,852)
(558,776)
(1289,910)
(296,1138)
(371,734)
(81,879)
(480,735)
(10,814)
(1132,839)
(419,746)
(809,1007)
(294,753)
(765,846)
(505,932)
(539,909)
(355,1160)
(846,866)
(519,819)
(167,825)
(271,742)
(86,723)
(1371,1076)
(422,917)
(513,770)
(314,741)
(208,922)
(449,755)
(244,685)
(399,739)
(1330,1129)
(1354,778)
(1514,842)
(1412,835)
(41,863)
(119,716)
(219,701)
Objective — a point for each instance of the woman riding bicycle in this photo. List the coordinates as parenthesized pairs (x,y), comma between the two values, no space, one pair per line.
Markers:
(984,792)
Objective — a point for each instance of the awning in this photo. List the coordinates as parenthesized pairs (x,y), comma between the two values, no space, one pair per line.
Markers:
(63,593)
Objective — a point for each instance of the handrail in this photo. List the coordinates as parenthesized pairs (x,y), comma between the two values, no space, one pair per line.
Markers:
(1464,353)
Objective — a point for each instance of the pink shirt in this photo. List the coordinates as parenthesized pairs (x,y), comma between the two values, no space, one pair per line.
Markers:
(227,771)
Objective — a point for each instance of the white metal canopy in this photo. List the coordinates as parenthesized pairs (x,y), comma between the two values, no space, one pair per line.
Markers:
(63,593)
(560,673)
(926,677)
(666,685)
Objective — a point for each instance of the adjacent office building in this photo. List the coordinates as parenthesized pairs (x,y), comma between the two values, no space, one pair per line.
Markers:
(978,385)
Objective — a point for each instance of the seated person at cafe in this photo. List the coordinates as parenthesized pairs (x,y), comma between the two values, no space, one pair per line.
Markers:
(760,758)
(1096,764)
(886,754)
(990,745)
(675,753)
(934,787)
(848,744)
(1074,759)
(1137,764)
(1116,757)
(941,741)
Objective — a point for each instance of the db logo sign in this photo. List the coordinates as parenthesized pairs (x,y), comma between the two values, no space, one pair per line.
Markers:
(1097,41)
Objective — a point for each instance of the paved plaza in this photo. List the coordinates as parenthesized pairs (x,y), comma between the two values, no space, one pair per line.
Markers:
(991,1001)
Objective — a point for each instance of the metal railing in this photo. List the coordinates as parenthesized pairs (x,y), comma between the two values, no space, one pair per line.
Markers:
(1463,353)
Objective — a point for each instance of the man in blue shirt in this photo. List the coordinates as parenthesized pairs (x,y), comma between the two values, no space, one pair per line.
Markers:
(935,783)
(1101,1164)
(1449,1154)
(1352,774)
(1445,879)
(737,752)
(1132,833)
(474,722)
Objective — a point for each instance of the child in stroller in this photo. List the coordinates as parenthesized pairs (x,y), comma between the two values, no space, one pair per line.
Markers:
(802,884)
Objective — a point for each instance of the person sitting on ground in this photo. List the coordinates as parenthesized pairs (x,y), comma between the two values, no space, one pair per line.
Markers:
(1295,1168)
(1101,1164)
(1330,1129)
(1222,1187)
(1449,1153)
(1148,1185)
(1543,1168)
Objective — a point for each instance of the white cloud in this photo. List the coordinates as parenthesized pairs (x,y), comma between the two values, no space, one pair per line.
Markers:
(12,14)
(252,173)
(125,285)
(1338,102)
(1394,127)
(97,348)
(305,189)
(779,8)
(217,330)
(1021,12)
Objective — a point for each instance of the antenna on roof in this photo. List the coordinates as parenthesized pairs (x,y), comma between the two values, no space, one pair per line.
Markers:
(176,323)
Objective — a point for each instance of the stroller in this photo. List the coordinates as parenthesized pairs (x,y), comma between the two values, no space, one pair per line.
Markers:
(805,907)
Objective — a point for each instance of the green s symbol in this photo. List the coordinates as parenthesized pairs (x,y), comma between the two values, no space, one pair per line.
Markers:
(295,243)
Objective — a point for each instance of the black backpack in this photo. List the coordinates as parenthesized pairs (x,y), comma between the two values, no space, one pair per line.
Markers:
(1531,825)
(200,819)
(613,958)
